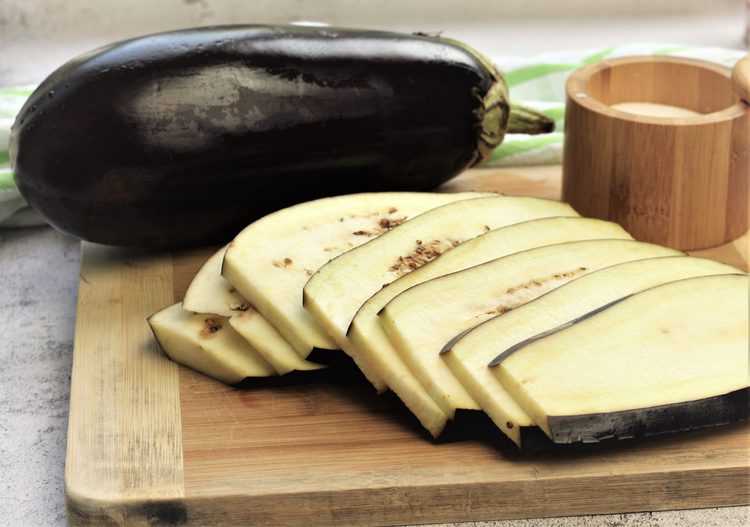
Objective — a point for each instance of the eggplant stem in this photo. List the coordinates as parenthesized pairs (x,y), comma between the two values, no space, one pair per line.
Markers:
(524,120)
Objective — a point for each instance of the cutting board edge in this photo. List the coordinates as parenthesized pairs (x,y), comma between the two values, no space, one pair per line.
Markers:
(478,501)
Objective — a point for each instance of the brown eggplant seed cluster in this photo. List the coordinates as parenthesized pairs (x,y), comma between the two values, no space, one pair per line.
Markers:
(423,253)
(210,326)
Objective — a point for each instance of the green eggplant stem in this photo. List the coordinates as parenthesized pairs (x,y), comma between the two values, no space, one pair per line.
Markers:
(527,121)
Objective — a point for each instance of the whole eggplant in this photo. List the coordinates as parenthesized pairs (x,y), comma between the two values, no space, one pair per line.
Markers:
(182,138)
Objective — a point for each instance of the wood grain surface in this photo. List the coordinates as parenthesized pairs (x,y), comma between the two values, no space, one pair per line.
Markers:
(151,443)
(124,428)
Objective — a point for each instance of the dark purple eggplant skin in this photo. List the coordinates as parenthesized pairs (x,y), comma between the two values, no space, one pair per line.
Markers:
(720,410)
(182,138)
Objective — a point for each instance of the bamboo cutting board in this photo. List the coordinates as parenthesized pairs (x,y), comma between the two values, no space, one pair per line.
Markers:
(152,443)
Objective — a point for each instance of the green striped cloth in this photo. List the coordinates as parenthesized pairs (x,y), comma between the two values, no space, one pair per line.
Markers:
(537,82)
(13,210)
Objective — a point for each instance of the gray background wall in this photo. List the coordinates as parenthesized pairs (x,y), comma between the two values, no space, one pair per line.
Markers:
(37,35)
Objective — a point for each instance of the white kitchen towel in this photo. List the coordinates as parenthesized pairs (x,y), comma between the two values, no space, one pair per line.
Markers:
(537,82)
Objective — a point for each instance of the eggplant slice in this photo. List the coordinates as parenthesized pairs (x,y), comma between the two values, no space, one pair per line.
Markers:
(468,354)
(334,293)
(422,319)
(209,292)
(368,338)
(669,359)
(265,340)
(270,261)
(207,343)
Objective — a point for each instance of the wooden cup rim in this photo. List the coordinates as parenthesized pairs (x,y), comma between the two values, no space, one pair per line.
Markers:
(576,88)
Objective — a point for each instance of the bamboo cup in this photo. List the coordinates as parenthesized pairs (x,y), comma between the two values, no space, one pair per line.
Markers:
(677,181)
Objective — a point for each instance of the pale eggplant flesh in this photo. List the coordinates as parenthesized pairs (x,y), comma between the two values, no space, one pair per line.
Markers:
(269,262)
(334,294)
(210,345)
(422,319)
(368,337)
(649,364)
(207,344)
(468,353)
(210,293)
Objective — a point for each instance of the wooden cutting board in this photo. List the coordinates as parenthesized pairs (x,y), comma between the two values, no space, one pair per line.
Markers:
(152,443)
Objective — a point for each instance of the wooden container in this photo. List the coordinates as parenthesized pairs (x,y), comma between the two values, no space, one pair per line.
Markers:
(677,181)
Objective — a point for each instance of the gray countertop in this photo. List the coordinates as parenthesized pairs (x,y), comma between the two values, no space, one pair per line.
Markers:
(39,279)
(39,267)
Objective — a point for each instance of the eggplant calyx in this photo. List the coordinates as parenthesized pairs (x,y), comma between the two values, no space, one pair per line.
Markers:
(524,120)
(495,113)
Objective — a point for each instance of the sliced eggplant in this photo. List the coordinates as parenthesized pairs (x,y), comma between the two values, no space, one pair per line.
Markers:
(269,344)
(209,292)
(468,354)
(214,127)
(367,337)
(669,359)
(207,344)
(270,261)
(334,294)
(422,319)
